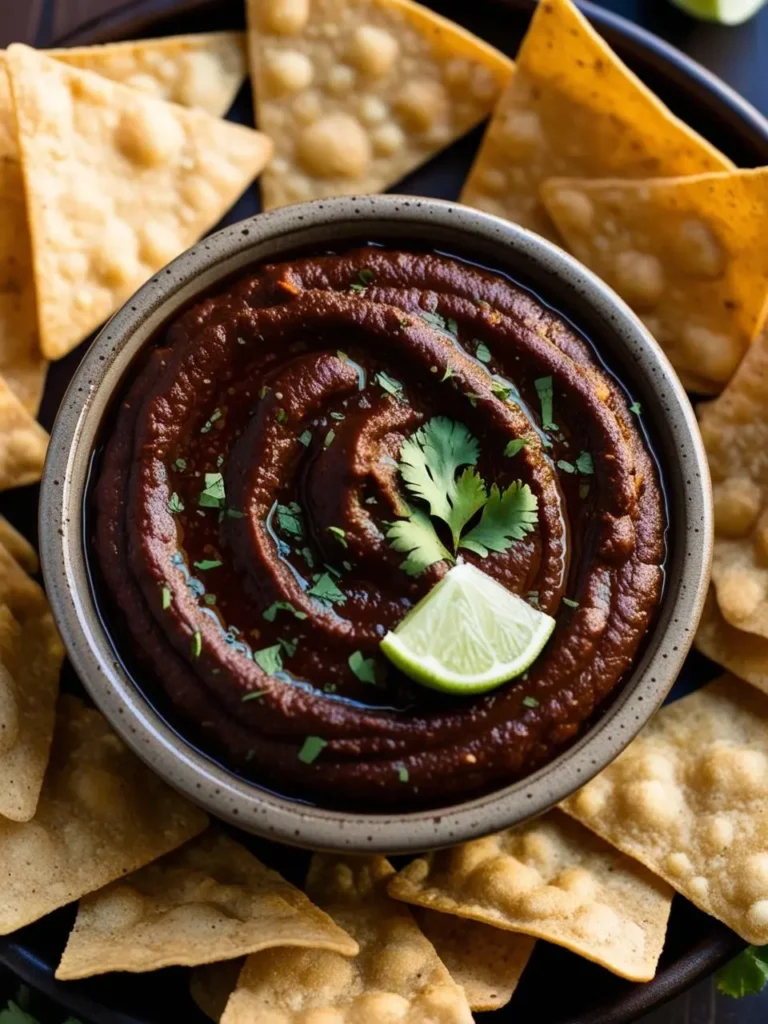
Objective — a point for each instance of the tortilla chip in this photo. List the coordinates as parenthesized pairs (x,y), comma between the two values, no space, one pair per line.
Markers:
(396,976)
(553,880)
(687,254)
(202,70)
(487,962)
(23,597)
(29,686)
(18,546)
(744,654)
(117,184)
(23,443)
(211,900)
(572,107)
(101,814)
(211,986)
(689,799)
(358,93)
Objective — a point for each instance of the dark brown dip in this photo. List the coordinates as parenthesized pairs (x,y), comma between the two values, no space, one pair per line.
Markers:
(274,390)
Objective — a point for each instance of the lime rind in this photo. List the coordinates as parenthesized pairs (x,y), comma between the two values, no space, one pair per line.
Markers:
(726,12)
(468,635)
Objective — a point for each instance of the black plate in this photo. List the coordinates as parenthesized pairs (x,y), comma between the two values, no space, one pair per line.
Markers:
(557,988)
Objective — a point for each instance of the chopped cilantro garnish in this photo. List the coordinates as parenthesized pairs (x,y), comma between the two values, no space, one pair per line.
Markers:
(515,446)
(219,461)
(342,356)
(533,596)
(329,438)
(447,375)
(208,563)
(281,416)
(567,467)
(269,659)
(289,646)
(482,352)
(209,599)
(175,504)
(373,500)
(356,287)
(324,589)
(389,384)
(289,519)
(339,534)
(283,606)
(329,687)
(636,408)
(530,702)
(746,975)
(364,668)
(583,491)
(180,465)
(584,463)
(402,772)
(546,393)
(441,323)
(570,602)
(166,599)
(473,398)
(197,644)
(206,427)
(234,513)
(311,749)
(500,389)
(365,276)
(253,695)
(305,438)
(308,557)
(213,494)
(337,415)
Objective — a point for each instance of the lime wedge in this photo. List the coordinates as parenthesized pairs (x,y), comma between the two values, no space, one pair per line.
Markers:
(727,12)
(468,635)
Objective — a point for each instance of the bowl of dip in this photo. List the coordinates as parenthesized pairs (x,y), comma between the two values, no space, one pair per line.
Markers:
(217,511)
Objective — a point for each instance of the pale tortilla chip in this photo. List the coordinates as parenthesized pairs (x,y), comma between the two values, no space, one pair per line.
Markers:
(572,107)
(211,986)
(23,597)
(358,93)
(18,546)
(29,686)
(211,900)
(687,254)
(744,654)
(101,814)
(689,799)
(202,70)
(555,881)
(396,976)
(487,962)
(23,442)
(117,184)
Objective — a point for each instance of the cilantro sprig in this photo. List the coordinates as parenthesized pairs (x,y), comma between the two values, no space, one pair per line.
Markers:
(430,465)
(746,975)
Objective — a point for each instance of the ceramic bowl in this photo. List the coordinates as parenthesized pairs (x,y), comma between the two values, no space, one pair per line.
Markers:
(338,223)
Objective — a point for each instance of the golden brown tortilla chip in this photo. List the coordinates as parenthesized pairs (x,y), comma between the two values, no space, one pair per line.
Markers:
(211,900)
(101,815)
(202,70)
(689,799)
(23,442)
(211,986)
(572,107)
(23,597)
(358,93)
(397,975)
(117,184)
(687,254)
(487,962)
(744,654)
(18,546)
(29,686)
(553,881)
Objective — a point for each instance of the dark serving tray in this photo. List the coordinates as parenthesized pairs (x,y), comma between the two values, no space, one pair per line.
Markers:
(557,987)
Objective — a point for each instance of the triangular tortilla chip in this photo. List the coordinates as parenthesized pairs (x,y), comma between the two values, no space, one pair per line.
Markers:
(23,442)
(689,799)
(744,654)
(555,881)
(211,900)
(101,814)
(574,108)
(202,70)
(735,433)
(487,962)
(29,686)
(117,184)
(396,976)
(22,596)
(688,254)
(18,546)
(212,985)
(358,93)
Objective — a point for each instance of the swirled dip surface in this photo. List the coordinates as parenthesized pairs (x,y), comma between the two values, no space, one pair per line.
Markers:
(275,411)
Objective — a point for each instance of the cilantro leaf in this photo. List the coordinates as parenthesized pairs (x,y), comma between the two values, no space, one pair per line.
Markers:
(746,975)
(546,392)
(636,408)
(329,438)
(213,494)
(507,517)
(417,538)
(284,606)
(311,749)
(469,498)
(441,323)
(289,519)
(430,459)
(530,702)
(402,772)
(166,598)
(175,504)
(324,589)
(208,563)
(269,659)
(305,438)
(206,427)
(482,352)
(515,446)
(585,464)
(567,467)
(339,534)
(13,1014)
(570,603)
(389,384)
(289,646)
(180,465)
(364,668)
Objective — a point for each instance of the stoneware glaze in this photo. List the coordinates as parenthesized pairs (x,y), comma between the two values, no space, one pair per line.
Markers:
(336,223)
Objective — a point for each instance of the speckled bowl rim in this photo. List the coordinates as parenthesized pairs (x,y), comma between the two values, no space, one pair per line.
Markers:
(335,222)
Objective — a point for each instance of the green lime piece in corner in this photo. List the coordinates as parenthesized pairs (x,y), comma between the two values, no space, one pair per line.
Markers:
(726,12)
(468,635)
